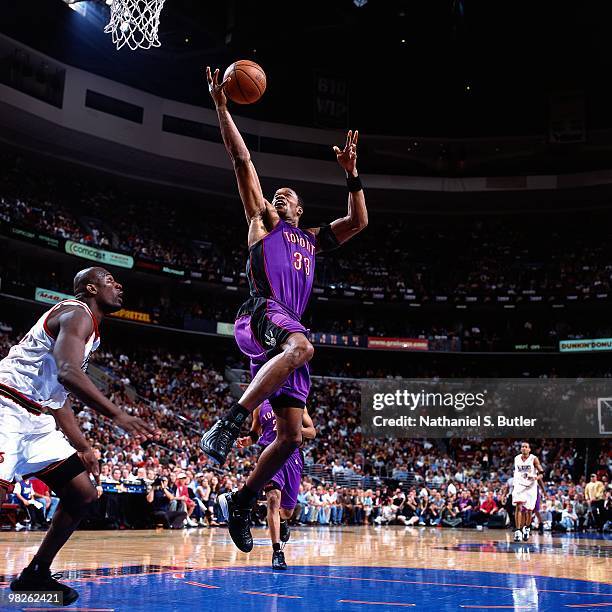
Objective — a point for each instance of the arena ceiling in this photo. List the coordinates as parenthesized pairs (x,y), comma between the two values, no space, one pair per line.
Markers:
(411,67)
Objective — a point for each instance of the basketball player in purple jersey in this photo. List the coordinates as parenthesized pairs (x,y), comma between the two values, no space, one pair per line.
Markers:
(268,330)
(282,490)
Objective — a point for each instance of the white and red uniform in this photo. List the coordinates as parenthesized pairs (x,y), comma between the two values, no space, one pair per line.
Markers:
(525,483)
(29,439)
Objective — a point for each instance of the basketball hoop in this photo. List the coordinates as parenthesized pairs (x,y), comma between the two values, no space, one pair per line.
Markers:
(134,23)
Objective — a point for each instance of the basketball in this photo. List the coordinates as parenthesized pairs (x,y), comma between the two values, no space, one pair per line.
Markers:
(248,82)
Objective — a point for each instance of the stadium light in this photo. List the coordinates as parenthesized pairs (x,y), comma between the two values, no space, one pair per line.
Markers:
(360,3)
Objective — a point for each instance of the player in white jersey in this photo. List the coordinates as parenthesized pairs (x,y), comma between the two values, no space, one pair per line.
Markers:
(39,434)
(527,469)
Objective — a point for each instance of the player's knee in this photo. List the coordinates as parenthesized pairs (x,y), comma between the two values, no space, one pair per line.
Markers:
(300,351)
(289,441)
(77,503)
(89,497)
(274,499)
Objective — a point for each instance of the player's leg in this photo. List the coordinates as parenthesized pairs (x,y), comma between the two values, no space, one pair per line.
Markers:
(285,517)
(527,523)
(270,376)
(296,352)
(76,492)
(236,507)
(518,521)
(292,476)
(273,496)
(288,439)
(286,350)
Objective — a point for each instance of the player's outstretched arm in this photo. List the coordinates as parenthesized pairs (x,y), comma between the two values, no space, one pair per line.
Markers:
(308,429)
(75,327)
(67,423)
(356,218)
(256,208)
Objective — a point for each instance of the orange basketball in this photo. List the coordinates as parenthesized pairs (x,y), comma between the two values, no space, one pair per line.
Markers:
(248,82)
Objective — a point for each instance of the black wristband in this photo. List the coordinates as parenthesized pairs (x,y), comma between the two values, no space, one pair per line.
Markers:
(254,436)
(353,183)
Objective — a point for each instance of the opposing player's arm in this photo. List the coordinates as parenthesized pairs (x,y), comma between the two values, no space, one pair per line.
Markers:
(308,429)
(75,326)
(541,485)
(538,466)
(259,212)
(67,423)
(254,434)
(356,218)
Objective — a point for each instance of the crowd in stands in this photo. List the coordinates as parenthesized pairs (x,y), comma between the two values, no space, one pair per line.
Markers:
(407,259)
(348,478)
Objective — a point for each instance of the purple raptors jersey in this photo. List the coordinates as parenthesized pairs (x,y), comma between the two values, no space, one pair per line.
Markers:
(281,267)
(267,418)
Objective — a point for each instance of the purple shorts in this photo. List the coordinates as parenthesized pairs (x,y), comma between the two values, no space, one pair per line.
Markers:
(287,480)
(262,327)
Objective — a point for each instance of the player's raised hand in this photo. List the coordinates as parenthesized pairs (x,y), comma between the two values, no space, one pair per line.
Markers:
(216,89)
(347,157)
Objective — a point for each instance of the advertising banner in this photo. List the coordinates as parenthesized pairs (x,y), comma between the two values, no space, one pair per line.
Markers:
(103,257)
(398,344)
(133,315)
(48,296)
(225,329)
(596,344)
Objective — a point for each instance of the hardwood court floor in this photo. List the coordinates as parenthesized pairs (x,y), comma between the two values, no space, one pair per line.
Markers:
(349,568)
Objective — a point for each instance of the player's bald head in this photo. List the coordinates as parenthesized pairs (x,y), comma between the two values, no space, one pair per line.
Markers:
(93,275)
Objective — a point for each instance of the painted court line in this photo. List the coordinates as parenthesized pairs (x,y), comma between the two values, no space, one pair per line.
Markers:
(376,603)
(590,605)
(272,595)
(204,586)
(397,581)
(500,607)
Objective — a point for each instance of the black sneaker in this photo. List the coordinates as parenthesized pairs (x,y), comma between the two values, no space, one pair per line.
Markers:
(238,522)
(278,560)
(285,532)
(31,580)
(217,442)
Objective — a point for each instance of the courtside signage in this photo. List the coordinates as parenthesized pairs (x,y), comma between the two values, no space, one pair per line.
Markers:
(106,257)
(595,344)
(48,296)
(225,329)
(132,315)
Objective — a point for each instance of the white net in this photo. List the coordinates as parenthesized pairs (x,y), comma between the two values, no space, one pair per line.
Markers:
(134,23)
